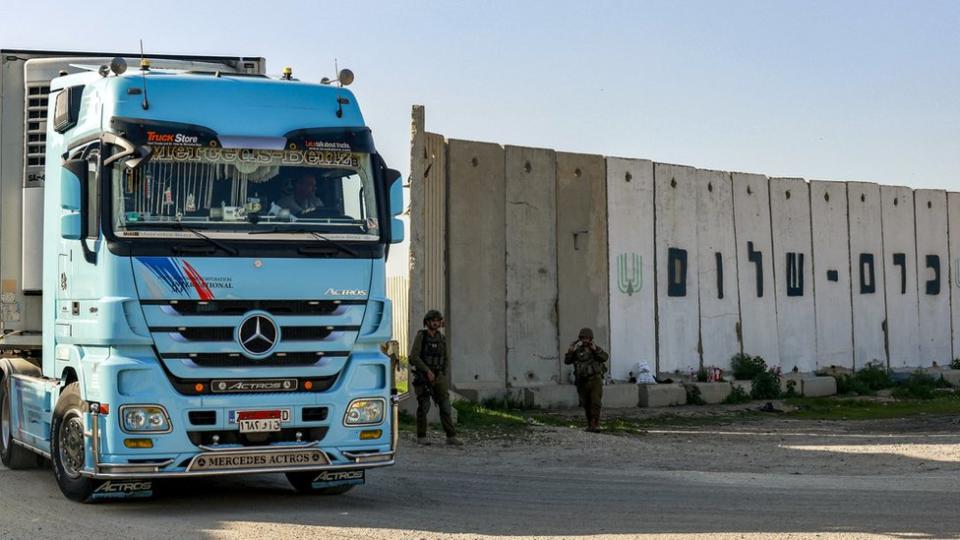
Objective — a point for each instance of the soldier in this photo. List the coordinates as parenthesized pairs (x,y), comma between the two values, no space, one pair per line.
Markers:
(589,366)
(430,359)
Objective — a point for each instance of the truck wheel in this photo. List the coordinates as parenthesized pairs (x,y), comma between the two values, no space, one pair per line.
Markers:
(68,445)
(303,482)
(12,456)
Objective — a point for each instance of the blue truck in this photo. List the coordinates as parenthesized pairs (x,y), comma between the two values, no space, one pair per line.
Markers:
(192,266)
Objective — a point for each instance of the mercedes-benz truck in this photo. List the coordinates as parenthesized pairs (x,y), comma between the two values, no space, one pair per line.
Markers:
(192,274)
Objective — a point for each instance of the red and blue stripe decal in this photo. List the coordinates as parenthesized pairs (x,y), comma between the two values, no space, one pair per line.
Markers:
(179,275)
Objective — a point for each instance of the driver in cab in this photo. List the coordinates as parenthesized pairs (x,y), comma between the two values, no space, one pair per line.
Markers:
(304,198)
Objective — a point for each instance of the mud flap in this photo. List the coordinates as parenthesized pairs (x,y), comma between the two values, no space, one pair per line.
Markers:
(329,479)
(123,489)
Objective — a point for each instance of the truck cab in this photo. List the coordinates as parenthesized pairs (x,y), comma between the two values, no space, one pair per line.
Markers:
(211,290)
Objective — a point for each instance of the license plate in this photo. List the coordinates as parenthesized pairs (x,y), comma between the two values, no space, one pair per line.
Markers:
(260,421)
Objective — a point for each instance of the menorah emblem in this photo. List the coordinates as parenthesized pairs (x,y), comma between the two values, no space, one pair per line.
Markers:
(629,273)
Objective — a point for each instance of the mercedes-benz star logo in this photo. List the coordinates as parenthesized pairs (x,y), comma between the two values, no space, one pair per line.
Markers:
(257,335)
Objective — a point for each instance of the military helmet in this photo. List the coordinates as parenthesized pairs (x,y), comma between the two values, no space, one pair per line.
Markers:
(432,315)
(585,333)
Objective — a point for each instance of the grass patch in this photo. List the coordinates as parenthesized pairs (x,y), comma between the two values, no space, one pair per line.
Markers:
(864,409)
(473,416)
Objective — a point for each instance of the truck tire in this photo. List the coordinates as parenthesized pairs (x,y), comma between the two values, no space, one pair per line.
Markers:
(11,455)
(303,482)
(67,445)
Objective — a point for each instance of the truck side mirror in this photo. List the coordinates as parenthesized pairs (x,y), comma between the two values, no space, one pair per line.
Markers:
(72,180)
(396,205)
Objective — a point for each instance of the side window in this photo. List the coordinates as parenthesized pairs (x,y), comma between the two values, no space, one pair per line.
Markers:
(92,194)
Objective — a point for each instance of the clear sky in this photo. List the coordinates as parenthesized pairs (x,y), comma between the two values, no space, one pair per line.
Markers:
(832,90)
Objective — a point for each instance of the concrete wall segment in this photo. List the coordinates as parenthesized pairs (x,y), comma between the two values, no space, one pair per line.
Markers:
(531,266)
(793,267)
(631,269)
(717,269)
(831,279)
(933,277)
(758,307)
(678,310)
(868,293)
(583,286)
(476,320)
(953,218)
(900,273)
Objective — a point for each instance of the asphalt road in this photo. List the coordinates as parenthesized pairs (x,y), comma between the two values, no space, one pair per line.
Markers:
(481,490)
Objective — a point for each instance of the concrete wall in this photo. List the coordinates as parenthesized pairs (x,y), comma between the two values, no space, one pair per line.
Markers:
(717,269)
(933,276)
(868,294)
(476,318)
(678,308)
(531,259)
(583,291)
(633,336)
(953,218)
(900,272)
(831,278)
(793,273)
(671,265)
(758,302)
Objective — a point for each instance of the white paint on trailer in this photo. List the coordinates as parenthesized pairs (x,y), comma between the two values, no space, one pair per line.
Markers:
(831,278)
(900,273)
(531,259)
(758,304)
(678,310)
(868,294)
(631,255)
(793,267)
(717,268)
(933,277)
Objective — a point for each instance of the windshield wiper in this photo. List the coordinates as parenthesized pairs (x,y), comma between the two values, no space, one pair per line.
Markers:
(179,226)
(318,236)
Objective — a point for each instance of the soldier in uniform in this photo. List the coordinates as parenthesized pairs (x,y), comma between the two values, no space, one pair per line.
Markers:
(589,367)
(430,360)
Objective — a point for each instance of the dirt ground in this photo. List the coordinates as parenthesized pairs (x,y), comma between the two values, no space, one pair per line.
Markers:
(711,476)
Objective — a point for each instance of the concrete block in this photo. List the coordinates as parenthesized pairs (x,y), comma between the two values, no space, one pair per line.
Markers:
(758,308)
(819,386)
(831,253)
(933,279)
(866,263)
(481,393)
(620,395)
(531,273)
(953,226)
(662,395)
(409,406)
(952,376)
(551,396)
(747,386)
(795,377)
(714,392)
(899,239)
(793,273)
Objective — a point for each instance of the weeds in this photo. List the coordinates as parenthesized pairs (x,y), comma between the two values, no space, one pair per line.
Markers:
(766,385)
(694,396)
(737,395)
(746,367)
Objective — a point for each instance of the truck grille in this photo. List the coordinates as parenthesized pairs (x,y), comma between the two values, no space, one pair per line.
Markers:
(238,360)
(240,307)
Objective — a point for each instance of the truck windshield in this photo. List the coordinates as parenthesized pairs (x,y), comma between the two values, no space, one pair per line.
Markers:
(233,192)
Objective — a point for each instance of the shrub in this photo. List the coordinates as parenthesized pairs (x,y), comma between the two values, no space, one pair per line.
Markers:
(791,389)
(703,375)
(746,367)
(918,386)
(955,364)
(874,376)
(694,397)
(766,385)
(737,395)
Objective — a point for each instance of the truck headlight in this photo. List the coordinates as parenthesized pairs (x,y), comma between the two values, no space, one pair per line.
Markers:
(364,412)
(144,419)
